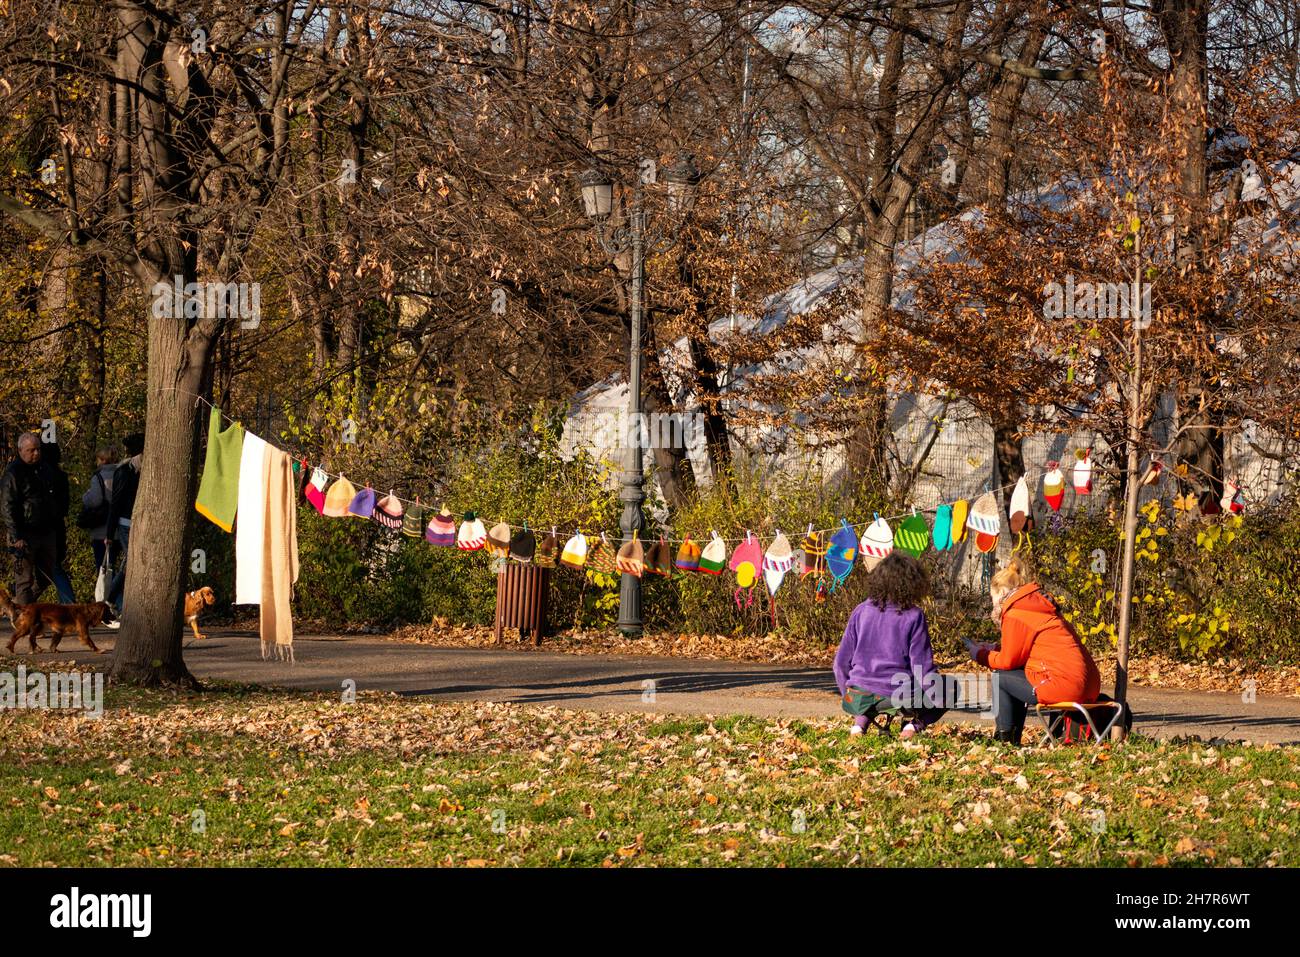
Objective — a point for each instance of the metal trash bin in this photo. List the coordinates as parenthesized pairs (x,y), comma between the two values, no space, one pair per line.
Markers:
(523,599)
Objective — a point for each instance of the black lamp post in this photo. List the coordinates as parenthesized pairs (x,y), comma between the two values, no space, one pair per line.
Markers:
(598,200)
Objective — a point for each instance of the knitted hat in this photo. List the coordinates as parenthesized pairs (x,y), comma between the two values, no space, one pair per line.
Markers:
(442,529)
(841,552)
(814,552)
(1153,472)
(1232,500)
(472,535)
(659,558)
(942,528)
(984,515)
(363,503)
(1082,472)
(575,551)
(413,521)
(1018,510)
(498,540)
(747,561)
(315,490)
(713,559)
(389,512)
(960,513)
(523,545)
(1054,488)
(631,557)
(688,556)
(913,535)
(545,556)
(878,539)
(777,560)
(600,557)
(338,498)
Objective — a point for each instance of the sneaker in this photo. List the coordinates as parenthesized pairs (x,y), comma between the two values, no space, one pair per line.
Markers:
(115,624)
(854,729)
(909,731)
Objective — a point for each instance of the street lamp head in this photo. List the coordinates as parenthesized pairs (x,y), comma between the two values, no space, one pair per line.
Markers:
(597,193)
(682,178)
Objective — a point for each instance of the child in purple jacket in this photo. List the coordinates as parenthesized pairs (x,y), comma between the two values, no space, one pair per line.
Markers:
(886,647)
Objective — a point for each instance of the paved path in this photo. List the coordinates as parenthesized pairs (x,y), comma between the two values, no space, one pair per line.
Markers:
(680,685)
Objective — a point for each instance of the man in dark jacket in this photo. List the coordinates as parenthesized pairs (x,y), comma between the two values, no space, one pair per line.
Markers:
(30,510)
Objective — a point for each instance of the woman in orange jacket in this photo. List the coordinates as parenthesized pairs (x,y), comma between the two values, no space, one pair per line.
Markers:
(1041,659)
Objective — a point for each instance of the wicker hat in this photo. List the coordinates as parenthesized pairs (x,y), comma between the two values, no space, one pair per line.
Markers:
(688,556)
(878,539)
(338,498)
(575,551)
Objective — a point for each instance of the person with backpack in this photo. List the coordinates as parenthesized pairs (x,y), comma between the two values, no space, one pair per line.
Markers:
(126,481)
(94,508)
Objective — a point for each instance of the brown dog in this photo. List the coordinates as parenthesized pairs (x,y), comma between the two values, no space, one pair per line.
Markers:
(194,602)
(32,620)
(7,604)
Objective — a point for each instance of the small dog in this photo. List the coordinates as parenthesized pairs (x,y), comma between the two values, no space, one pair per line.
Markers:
(32,619)
(194,602)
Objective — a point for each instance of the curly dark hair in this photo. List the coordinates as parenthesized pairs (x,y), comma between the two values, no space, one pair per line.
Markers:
(899,580)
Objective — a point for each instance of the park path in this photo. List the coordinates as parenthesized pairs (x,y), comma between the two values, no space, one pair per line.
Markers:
(653,684)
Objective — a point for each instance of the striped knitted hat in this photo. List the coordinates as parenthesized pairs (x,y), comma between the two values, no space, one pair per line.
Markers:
(575,551)
(389,512)
(472,535)
(913,535)
(985,522)
(1054,488)
(713,559)
(631,557)
(600,556)
(546,551)
(338,498)
(498,540)
(688,556)
(659,558)
(413,521)
(442,528)
(878,539)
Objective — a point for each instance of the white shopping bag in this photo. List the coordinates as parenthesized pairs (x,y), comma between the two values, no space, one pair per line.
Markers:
(101,583)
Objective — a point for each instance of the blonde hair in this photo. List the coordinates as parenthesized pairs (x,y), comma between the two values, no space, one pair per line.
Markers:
(1012,575)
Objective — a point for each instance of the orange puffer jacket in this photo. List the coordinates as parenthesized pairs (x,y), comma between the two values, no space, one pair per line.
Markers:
(1035,637)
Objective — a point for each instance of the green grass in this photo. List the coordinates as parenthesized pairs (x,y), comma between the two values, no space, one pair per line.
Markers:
(302,779)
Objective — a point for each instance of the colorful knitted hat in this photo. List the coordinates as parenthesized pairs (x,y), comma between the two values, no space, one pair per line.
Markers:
(942,528)
(746,562)
(688,556)
(841,553)
(631,557)
(984,522)
(498,540)
(363,503)
(472,535)
(1054,488)
(315,490)
(1232,500)
(814,551)
(1019,509)
(546,550)
(338,498)
(413,521)
(713,559)
(1082,472)
(960,513)
(442,528)
(659,558)
(600,557)
(777,560)
(1153,472)
(878,539)
(575,551)
(523,544)
(913,535)
(390,511)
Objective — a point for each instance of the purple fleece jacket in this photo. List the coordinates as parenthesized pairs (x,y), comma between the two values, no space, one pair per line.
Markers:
(880,644)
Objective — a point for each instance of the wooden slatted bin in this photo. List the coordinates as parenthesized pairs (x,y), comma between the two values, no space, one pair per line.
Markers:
(523,599)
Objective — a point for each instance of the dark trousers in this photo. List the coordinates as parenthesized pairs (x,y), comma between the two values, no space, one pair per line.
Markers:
(1014,695)
(35,569)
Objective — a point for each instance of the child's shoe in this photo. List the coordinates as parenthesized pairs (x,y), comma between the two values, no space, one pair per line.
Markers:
(909,731)
(854,729)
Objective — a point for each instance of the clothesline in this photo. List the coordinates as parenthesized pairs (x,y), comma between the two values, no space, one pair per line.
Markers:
(1033,471)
